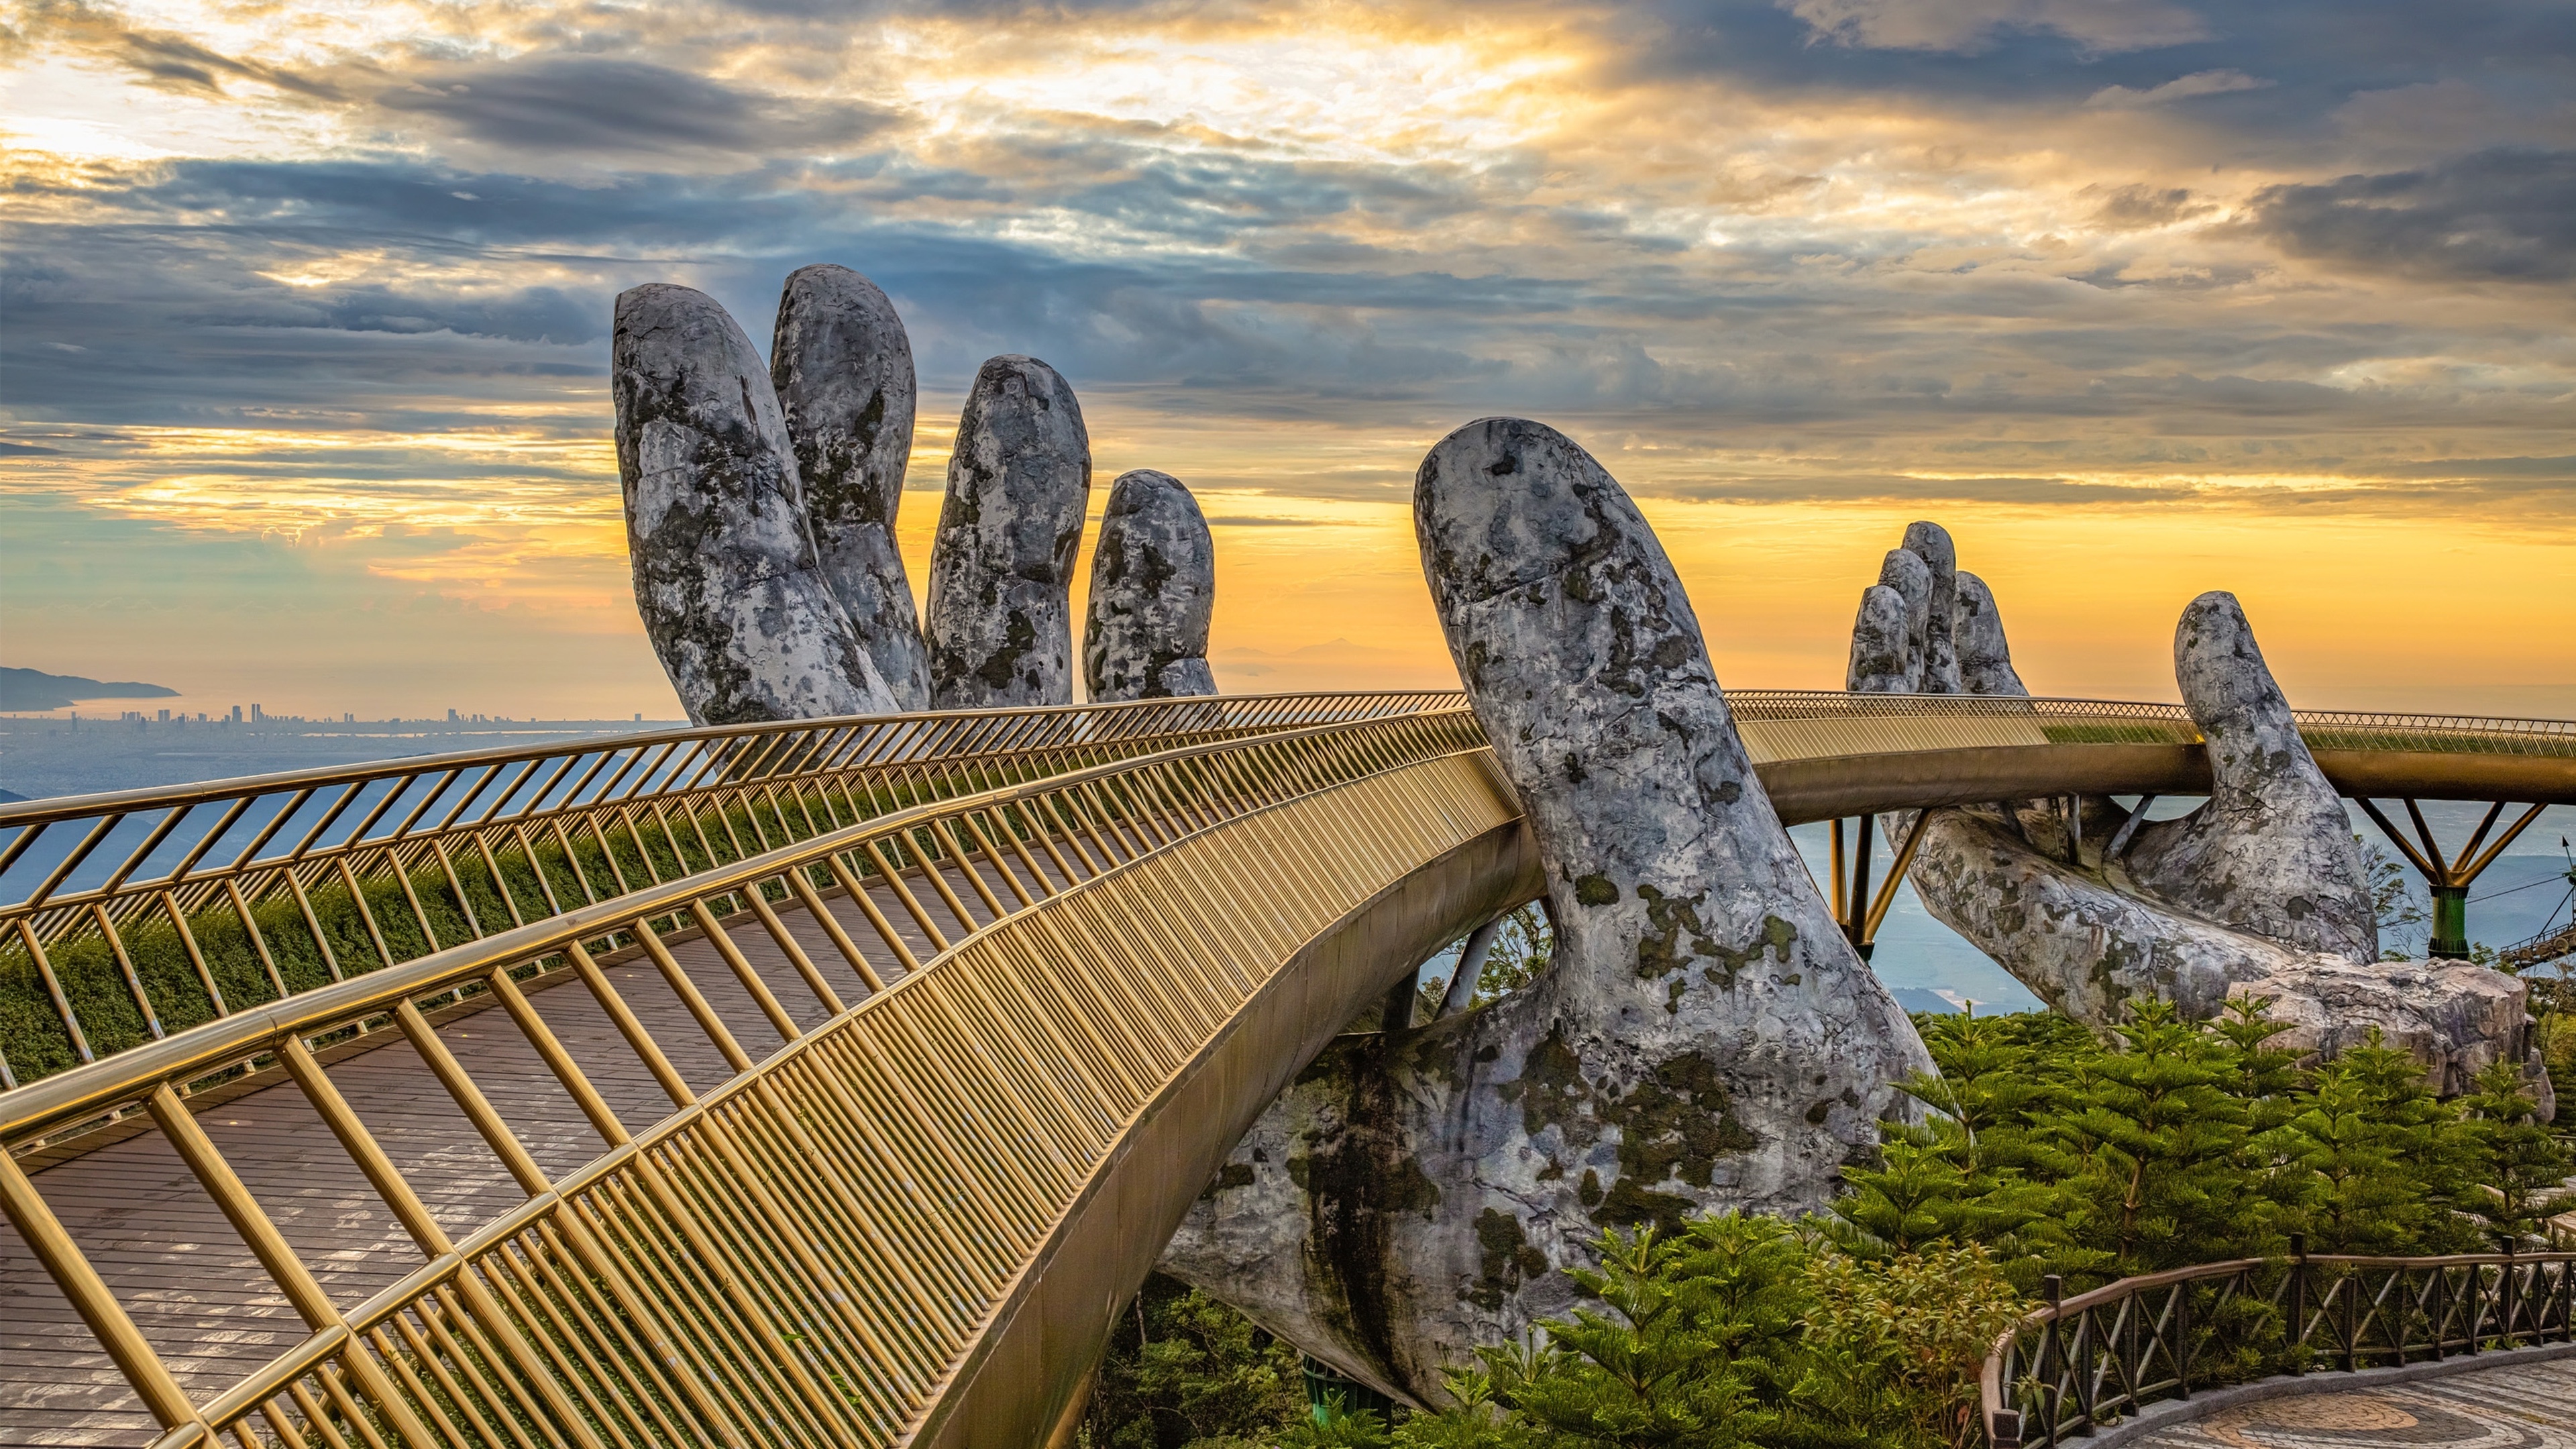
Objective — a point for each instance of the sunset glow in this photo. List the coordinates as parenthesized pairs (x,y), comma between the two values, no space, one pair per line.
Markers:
(308,310)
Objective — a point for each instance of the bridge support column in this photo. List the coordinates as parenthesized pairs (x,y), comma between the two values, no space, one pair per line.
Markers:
(1857,909)
(2450,940)
(2449,876)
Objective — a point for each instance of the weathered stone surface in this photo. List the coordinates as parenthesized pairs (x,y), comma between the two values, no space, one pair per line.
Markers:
(2273,851)
(1930,542)
(1882,643)
(725,572)
(2078,931)
(2259,892)
(1985,660)
(1904,571)
(842,368)
(999,625)
(1703,1038)
(1153,588)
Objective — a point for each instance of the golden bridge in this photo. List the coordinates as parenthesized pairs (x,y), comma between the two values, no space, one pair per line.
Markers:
(813,1084)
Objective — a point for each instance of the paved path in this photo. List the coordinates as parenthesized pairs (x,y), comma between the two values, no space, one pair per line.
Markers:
(2531,1406)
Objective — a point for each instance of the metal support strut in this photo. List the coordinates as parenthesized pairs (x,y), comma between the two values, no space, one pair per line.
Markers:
(2449,876)
(1856,908)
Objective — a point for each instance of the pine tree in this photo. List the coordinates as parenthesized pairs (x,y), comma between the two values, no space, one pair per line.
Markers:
(1664,1367)
(1977,1171)
(2158,1139)
(2356,1192)
(1185,1369)
(2525,1168)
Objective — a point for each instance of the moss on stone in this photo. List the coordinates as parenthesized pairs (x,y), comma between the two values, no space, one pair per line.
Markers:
(1508,1258)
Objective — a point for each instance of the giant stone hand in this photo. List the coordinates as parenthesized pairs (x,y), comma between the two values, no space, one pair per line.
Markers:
(1704,1037)
(726,575)
(999,625)
(2258,892)
(1153,591)
(843,370)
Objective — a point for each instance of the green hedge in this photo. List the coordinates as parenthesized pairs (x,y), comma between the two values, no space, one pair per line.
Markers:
(32,1034)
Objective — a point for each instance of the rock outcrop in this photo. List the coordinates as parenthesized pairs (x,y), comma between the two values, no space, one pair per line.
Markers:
(1153,588)
(842,368)
(1703,1038)
(999,625)
(726,576)
(2258,892)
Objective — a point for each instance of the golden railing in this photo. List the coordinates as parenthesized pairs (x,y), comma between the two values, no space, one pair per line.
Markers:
(1779,723)
(804,1254)
(807,1250)
(124,917)
(1825,753)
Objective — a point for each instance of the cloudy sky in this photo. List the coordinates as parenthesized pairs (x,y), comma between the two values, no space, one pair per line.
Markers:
(303,324)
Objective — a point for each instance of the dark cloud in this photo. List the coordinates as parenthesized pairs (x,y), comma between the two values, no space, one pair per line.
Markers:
(2300,59)
(2132,208)
(171,59)
(2500,215)
(192,291)
(161,58)
(2543,470)
(598,105)
(1209,275)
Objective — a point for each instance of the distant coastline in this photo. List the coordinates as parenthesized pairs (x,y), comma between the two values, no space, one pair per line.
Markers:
(32,689)
(41,757)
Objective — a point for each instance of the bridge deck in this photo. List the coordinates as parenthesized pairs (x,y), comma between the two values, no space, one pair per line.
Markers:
(203,1301)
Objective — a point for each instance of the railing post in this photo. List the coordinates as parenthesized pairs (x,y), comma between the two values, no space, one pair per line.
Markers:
(2477,1306)
(2512,1272)
(2399,1287)
(2080,1356)
(2298,1301)
(2051,1401)
(2349,1287)
(2441,1312)
(2566,1298)
(2180,1349)
(2005,1430)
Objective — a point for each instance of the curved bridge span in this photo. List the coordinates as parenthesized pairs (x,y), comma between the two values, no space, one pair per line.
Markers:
(866,1137)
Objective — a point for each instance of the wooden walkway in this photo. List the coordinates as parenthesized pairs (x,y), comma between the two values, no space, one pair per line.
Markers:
(195,1290)
(2511,1406)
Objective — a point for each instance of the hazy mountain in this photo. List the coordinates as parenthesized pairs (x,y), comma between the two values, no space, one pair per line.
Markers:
(35,689)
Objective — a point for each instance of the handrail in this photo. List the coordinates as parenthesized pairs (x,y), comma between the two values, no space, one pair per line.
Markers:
(932,1180)
(42,1106)
(2320,727)
(2112,1351)
(331,873)
(293,880)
